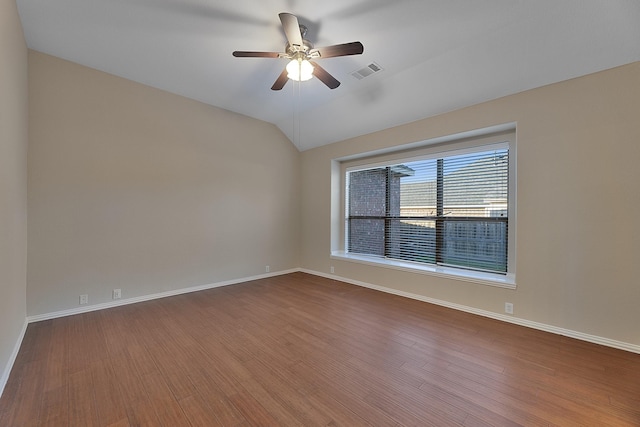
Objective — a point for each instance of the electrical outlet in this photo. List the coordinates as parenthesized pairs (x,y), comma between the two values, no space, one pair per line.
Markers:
(333,270)
(508,308)
(84,299)
(117,293)
(267,269)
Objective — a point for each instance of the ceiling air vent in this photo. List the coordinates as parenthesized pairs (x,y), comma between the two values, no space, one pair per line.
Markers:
(366,71)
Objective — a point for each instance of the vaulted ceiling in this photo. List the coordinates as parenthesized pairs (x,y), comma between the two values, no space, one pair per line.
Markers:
(435,55)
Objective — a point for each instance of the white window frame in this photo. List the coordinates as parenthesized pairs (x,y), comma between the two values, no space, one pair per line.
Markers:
(437,147)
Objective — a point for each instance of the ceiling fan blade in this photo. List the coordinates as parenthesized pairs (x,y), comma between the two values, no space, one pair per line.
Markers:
(246,54)
(281,80)
(345,49)
(291,29)
(324,76)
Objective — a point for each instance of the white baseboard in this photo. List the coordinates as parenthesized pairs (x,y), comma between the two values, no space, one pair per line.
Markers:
(127,301)
(12,358)
(515,320)
(510,319)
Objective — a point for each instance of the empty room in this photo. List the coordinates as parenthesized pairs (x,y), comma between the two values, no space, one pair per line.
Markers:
(297,213)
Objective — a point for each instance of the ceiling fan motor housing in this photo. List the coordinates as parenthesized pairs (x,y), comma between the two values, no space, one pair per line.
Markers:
(293,49)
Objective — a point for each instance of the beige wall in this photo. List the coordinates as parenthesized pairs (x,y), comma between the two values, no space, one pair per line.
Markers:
(134,188)
(578,146)
(13,182)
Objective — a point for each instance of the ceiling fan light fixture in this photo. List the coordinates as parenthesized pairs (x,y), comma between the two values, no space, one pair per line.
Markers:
(299,70)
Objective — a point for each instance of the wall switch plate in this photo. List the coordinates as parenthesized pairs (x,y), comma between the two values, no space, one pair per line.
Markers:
(84,299)
(267,269)
(508,308)
(117,293)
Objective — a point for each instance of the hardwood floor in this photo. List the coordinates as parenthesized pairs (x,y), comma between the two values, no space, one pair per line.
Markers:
(304,350)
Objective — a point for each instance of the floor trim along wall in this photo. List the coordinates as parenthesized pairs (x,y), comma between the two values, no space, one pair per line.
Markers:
(12,358)
(522,322)
(126,301)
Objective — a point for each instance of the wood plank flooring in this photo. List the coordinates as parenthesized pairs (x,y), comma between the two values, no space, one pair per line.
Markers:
(300,350)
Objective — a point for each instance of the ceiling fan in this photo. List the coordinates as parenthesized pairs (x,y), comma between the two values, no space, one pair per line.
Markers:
(301,54)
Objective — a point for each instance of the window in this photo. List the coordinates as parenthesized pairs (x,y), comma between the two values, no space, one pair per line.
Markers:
(445,209)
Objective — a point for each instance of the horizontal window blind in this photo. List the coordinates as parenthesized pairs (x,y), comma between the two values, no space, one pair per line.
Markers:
(449,210)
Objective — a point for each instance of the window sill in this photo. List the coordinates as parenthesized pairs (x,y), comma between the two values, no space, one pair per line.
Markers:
(480,277)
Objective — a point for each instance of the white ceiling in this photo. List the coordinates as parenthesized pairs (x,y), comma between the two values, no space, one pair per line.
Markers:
(436,55)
